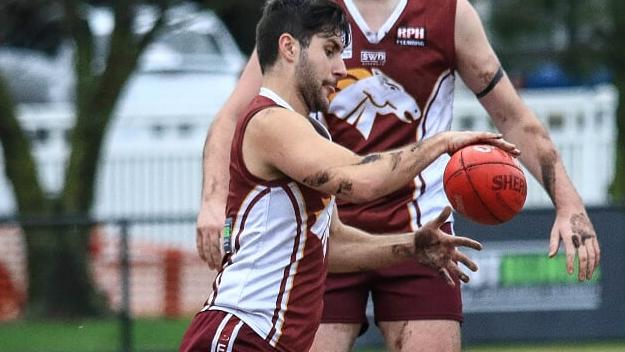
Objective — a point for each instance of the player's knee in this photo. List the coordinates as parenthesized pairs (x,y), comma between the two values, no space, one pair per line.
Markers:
(335,337)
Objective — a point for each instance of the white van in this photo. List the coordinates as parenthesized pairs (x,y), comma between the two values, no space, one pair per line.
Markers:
(152,155)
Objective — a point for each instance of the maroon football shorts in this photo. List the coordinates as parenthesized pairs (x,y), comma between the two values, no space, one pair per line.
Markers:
(214,330)
(407,291)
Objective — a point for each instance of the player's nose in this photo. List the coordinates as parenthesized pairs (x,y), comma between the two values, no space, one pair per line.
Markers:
(339,71)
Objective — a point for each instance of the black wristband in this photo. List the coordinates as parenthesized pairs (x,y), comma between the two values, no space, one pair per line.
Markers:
(492,84)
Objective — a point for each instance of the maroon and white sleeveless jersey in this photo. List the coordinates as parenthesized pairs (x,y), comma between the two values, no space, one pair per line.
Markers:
(274,278)
(399,89)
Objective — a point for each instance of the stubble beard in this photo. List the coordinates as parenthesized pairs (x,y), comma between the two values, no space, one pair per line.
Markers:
(309,86)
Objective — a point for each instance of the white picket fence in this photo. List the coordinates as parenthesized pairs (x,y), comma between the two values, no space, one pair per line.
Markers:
(152,162)
(582,124)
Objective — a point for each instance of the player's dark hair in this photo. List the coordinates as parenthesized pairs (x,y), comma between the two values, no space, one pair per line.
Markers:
(300,18)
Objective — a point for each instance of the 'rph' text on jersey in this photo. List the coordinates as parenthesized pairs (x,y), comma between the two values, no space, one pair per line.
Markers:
(411,36)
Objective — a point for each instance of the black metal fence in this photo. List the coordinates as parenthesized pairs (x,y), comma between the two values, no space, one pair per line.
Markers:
(140,265)
(148,267)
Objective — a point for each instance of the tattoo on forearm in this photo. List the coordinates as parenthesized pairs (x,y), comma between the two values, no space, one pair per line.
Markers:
(536,131)
(548,173)
(345,187)
(209,186)
(416,147)
(318,179)
(369,159)
(582,228)
(395,160)
(547,160)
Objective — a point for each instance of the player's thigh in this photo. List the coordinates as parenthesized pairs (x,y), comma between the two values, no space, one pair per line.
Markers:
(421,335)
(411,291)
(345,299)
(335,337)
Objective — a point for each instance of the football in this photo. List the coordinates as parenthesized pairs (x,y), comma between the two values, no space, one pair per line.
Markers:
(485,184)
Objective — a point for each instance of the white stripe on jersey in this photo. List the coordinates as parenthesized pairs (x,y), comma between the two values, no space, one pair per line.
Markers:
(234,335)
(250,287)
(236,229)
(301,204)
(437,116)
(220,328)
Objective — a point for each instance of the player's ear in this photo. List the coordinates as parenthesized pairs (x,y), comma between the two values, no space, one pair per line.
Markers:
(288,47)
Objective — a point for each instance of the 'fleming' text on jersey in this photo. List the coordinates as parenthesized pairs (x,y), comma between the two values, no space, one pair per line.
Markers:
(411,36)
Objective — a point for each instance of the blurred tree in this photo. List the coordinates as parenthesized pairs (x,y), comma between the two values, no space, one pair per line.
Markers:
(240,17)
(31,24)
(581,36)
(59,280)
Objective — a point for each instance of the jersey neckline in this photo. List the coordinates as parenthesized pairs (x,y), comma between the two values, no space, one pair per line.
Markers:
(375,37)
(268,93)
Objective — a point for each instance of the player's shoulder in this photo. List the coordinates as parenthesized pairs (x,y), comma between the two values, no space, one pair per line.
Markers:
(277,119)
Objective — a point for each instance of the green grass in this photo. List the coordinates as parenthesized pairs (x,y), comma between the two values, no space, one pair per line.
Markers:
(616,346)
(90,335)
(156,335)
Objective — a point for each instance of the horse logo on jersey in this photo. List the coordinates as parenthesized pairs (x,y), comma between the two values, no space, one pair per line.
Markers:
(364,95)
(321,227)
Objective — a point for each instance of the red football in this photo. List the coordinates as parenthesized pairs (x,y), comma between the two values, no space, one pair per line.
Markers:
(485,184)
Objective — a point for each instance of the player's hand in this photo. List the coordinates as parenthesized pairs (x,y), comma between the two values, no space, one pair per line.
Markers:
(456,140)
(437,250)
(210,222)
(575,230)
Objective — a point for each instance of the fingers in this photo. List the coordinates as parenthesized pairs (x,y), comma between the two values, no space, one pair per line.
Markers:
(214,250)
(453,268)
(199,243)
(505,145)
(458,241)
(554,243)
(464,259)
(445,274)
(582,254)
(597,251)
(570,255)
(208,246)
(590,250)
(443,216)
(594,255)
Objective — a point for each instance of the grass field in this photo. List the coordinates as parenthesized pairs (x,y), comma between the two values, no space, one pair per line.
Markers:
(164,335)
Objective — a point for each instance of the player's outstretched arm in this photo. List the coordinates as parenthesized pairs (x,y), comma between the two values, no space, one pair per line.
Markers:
(280,142)
(216,176)
(351,249)
(481,71)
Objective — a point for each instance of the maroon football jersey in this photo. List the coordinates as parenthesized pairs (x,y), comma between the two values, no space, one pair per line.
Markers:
(273,279)
(398,90)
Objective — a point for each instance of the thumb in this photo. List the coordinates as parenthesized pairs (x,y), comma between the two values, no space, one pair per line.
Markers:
(554,243)
(443,216)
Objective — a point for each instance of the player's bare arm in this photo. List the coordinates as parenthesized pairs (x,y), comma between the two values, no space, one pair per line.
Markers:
(351,249)
(481,71)
(216,158)
(280,142)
